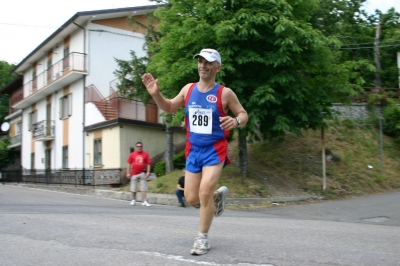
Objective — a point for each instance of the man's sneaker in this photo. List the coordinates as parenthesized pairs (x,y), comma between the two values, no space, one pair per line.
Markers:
(133,202)
(182,204)
(201,245)
(219,200)
(145,203)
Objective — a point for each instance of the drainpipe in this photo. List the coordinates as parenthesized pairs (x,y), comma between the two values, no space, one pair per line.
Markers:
(84,99)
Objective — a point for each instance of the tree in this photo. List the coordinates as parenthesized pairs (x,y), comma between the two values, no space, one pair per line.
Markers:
(281,68)
(6,155)
(5,77)
(130,72)
(356,29)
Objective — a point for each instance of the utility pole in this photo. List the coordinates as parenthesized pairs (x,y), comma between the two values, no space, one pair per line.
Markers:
(377,56)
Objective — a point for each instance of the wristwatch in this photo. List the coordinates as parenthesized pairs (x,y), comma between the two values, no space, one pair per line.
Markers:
(238,121)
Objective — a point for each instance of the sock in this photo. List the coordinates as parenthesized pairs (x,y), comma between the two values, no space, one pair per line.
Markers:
(202,234)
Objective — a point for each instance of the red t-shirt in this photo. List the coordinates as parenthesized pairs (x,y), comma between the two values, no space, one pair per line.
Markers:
(138,161)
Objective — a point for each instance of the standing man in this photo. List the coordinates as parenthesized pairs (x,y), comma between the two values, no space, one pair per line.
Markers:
(207,124)
(180,190)
(138,169)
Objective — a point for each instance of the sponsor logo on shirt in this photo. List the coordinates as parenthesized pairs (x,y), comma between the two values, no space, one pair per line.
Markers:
(211,98)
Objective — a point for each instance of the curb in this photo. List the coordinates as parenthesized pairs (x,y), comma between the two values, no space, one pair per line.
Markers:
(154,198)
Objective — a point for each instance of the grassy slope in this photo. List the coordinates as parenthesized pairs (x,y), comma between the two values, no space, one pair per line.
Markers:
(293,166)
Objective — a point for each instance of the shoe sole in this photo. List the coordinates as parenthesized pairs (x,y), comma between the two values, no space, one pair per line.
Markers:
(194,253)
(220,201)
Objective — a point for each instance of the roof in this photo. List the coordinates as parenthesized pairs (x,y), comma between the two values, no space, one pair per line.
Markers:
(73,24)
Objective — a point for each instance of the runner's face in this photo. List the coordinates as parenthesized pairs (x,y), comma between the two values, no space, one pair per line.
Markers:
(207,70)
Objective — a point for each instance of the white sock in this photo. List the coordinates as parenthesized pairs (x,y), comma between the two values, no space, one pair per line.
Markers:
(202,234)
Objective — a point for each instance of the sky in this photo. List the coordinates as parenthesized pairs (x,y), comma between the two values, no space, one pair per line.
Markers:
(25,24)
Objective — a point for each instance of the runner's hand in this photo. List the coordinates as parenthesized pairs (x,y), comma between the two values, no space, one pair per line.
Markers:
(151,84)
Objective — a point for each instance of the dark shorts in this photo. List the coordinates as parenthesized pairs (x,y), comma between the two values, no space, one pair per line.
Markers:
(199,156)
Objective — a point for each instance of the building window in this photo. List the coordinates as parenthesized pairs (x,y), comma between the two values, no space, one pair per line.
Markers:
(65,157)
(32,119)
(18,129)
(66,106)
(97,152)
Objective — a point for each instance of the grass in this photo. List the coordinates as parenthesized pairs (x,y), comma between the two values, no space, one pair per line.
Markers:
(293,166)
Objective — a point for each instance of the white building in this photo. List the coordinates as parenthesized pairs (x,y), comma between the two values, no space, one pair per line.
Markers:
(68,111)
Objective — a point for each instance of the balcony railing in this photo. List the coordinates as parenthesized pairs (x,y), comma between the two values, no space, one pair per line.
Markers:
(16,140)
(43,130)
(74,62)
(115,106)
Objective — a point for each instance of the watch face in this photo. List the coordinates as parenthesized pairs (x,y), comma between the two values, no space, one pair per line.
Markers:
(238,120)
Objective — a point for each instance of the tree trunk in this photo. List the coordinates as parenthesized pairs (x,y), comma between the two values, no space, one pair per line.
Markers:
(242,145)
(169,148)
(378,81)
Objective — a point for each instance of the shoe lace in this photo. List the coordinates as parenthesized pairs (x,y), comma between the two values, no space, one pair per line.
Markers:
(201,242)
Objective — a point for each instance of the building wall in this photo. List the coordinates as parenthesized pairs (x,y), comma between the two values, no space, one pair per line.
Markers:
(117,141)
(153,140)
(104,45)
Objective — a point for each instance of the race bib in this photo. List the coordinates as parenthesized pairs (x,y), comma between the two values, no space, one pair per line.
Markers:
(200,120)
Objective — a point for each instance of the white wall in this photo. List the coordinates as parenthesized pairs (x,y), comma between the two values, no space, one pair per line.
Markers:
(103,47)
(92,115)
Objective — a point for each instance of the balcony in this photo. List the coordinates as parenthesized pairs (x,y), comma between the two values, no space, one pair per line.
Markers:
(59,75)
(15,141)
(43,130)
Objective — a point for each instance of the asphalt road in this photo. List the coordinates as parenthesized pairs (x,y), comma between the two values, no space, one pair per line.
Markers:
(41,227)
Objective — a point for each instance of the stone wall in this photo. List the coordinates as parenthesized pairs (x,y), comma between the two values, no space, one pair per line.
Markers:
(358,111)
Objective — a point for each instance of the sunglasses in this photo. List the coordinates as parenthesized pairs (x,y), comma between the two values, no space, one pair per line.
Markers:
(138,146)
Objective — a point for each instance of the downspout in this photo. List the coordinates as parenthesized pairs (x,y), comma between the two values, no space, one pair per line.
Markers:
(84,100)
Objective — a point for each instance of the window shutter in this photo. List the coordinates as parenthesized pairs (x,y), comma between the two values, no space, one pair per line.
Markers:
(60,110)
(69,104)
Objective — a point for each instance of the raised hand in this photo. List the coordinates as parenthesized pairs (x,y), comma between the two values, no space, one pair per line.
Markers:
(151,84)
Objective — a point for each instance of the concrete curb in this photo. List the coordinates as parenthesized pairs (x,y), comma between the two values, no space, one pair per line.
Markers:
(153,198)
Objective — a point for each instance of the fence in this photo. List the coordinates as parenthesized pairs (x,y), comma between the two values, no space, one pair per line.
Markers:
(76,177)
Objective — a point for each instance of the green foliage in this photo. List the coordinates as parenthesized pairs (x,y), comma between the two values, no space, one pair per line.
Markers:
(281,68)
(129,74)
(159,168)
(6,155)
(5,77)
(179,160)
(5,74)
(391,124)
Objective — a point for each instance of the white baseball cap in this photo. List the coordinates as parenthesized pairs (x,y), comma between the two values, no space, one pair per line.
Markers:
(210,55)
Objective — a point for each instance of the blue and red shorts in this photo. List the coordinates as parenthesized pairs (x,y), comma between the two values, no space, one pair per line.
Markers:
(199,156)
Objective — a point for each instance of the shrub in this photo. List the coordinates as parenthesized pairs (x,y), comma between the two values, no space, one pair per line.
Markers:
(391,124)
(159,168)
(179,160)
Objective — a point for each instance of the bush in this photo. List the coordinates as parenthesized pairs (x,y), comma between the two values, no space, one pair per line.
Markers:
(6,154)
(159,168)
(179,160)
(391,124)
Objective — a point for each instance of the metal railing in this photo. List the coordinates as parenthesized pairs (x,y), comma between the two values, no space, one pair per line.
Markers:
(75,177)
(73,62)
(118,106)
(44,128)
(16,139)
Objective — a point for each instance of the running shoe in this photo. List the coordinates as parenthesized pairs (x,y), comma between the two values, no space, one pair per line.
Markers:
(133,202)
(201,245)
(219,200)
